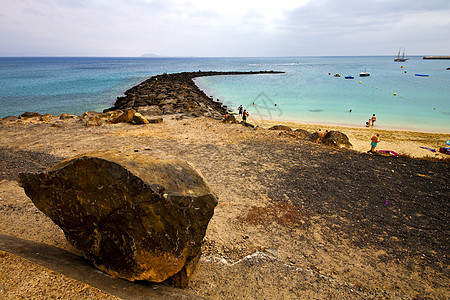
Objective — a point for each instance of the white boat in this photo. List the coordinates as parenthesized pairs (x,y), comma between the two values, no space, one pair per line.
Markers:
(363,74)
(401,58)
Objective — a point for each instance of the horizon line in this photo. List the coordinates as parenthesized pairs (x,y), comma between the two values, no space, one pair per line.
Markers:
(158,56)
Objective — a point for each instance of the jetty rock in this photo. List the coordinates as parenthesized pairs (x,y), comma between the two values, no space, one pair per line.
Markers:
(133,216)
(175,94)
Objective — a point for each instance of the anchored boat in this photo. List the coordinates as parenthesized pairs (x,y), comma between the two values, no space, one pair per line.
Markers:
(401,58)
(364,74)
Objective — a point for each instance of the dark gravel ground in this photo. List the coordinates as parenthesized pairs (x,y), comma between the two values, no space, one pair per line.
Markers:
(400,205)
(12,162)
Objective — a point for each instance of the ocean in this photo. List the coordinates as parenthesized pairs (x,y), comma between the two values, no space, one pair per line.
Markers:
(307,91)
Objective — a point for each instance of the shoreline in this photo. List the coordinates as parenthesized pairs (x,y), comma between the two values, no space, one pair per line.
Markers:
(405,142)
(352,126)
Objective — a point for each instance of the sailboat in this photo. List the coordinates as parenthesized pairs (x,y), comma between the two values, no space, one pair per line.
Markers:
(401,58)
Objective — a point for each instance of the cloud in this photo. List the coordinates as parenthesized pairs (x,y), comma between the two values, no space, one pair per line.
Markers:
(367,26)
(231,28)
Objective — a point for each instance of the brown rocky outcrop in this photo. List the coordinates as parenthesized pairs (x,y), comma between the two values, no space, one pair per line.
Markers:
(133,216)
(123,117)
(139,119)
(301,133)
(337,139)
(280,127)
(29,114)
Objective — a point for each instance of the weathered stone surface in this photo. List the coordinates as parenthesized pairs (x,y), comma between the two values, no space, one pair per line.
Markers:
(247,124)
(65,116)
(337,139)
(155,120)
(45,118)
(124,117)
(301,133)
(29,114)
(92,121)
(151,110)
(139,119)
(133,216)
(280,127)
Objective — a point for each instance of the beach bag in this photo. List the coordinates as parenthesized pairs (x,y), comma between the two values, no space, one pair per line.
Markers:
(445,150)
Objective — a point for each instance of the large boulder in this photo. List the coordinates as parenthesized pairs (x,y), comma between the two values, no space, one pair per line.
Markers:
(124,117)
(29,114)
(133,216)
(336,139)
(139,119)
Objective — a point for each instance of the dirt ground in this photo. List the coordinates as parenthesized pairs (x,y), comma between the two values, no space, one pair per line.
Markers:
(295,219)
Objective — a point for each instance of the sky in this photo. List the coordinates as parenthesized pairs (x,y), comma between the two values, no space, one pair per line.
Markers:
(231,28)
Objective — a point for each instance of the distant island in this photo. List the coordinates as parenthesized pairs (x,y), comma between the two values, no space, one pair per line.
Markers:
(437,57)
(149,55)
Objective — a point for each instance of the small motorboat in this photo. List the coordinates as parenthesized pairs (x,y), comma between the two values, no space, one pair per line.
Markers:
(337,75)
(364,74)
(422,75)
(349,77)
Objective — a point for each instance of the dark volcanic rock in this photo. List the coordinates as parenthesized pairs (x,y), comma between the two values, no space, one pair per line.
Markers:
(337,139)
(280,127)
(133,216)
(301,133)
(29,114)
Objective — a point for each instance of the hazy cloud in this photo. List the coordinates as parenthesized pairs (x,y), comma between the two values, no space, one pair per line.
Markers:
(232,28)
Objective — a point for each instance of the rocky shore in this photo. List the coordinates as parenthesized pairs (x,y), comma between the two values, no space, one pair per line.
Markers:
(176,93)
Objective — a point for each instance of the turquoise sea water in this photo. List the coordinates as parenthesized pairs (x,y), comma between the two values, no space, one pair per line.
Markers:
(305,93)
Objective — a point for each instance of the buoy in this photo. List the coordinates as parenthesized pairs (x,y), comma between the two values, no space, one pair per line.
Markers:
(360,81)
(395,94)
(329,73)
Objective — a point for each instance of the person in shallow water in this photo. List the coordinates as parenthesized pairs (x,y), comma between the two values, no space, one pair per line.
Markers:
(373,119)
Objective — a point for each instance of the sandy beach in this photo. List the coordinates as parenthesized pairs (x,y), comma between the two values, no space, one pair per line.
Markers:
(403,142)
(295,219)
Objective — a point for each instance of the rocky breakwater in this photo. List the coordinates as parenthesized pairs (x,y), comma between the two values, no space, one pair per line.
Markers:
(175,94)
(133,216)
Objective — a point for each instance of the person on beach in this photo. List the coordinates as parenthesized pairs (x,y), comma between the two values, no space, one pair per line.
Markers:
(240,108)
(373,119)
(374,142)
(244,115)
(367,124)
(320,135)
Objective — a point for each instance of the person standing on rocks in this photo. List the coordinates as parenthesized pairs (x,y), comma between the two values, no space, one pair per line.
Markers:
(374,142)
(244,115)
(240,108)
